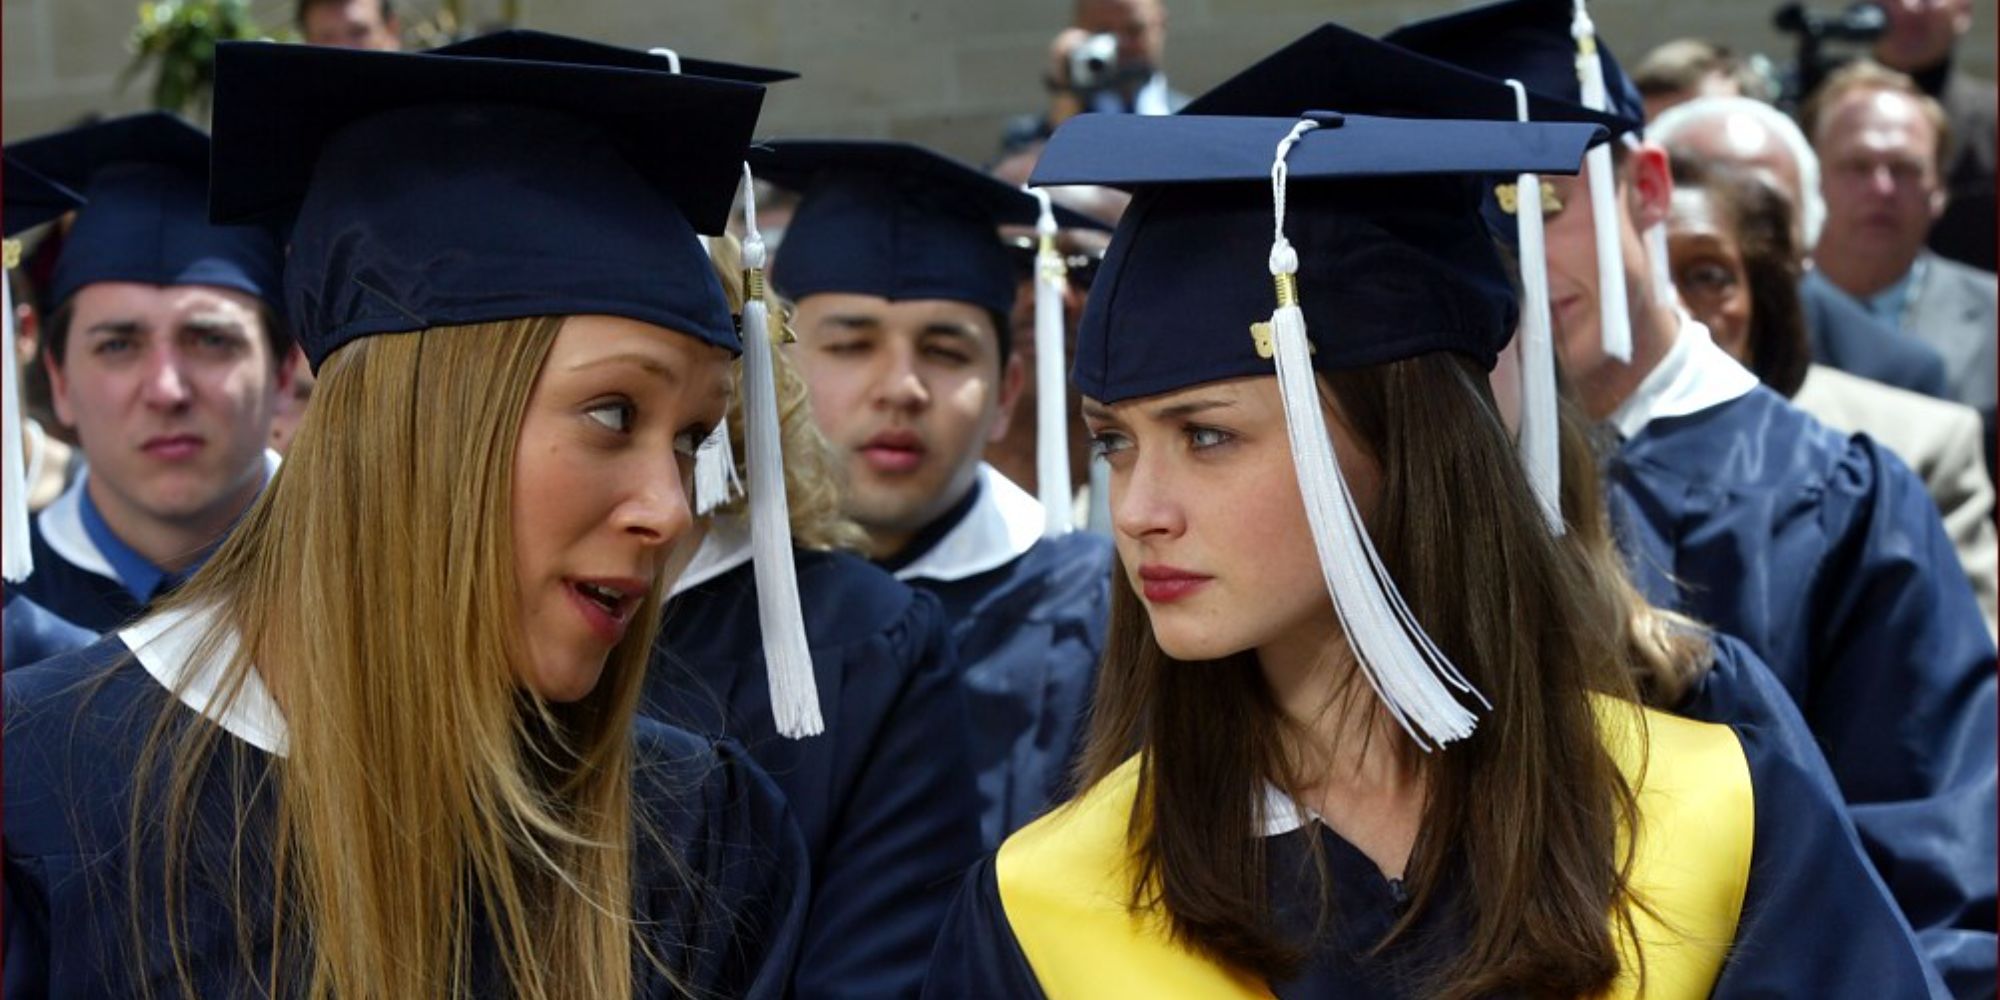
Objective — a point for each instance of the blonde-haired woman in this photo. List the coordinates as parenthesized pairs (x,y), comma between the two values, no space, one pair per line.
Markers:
(384,744)
(886,795)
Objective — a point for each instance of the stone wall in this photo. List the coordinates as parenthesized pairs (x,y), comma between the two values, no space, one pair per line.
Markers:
(943,72)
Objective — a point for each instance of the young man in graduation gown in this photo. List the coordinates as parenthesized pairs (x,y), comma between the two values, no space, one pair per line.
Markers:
(166,352)
(1821,551)
(903,291)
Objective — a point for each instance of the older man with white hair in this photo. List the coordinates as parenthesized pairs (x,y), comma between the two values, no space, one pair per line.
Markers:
(1750,133)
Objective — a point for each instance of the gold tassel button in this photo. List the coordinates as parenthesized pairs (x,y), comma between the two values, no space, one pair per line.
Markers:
(10,254)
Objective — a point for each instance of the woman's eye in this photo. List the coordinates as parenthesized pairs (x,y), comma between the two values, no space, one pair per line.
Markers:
(1709,277)
(1208,437)
(616,416)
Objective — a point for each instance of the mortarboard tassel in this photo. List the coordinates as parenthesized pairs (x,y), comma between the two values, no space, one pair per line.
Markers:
(1615,319)
(715,481)
(787,657)
(19,559)
(1051,392)
(1540,455)
(1409,673)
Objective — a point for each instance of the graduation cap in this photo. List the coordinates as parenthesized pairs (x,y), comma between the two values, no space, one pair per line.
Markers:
(429,190)
(1334,67)
(31,199)
(1551,47)
(521,43)
(145,180)
(1379,253)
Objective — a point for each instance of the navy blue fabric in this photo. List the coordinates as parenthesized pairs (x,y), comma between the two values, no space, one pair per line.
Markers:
(31,633)
(438,190)
(98,603)
(895,221)
(145,178)
(31,198)
(885,796)
(1825,555)
(1028,636)
(1846,336)
(522,43)
(1344,70)
(74,729)
(1815,922)
(1529,41)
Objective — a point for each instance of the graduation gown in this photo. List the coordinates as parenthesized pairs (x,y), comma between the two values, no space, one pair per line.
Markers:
(1028,617)
(1758,872)
(32,633)
(75,726)
(885,796)
(1824,554)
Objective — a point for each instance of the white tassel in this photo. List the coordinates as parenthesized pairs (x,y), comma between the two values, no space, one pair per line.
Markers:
(787,656)
(673,58)
(715,482)
(1615,318)
(1539,442)
(1051,393)
(19,560)
(1414,678)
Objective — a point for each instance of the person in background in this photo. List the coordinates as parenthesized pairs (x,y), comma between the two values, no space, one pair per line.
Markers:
(903,290)
(1881,144)
(1736,266)
(350,24)
(165,352)
(1687,68)
(1920,41)
(1753,134)
(885,796)
(292,403)
(52,462)
(1132,80)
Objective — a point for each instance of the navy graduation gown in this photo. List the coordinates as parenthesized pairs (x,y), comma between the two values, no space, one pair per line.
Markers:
(884,796)
(74,728)
(86,597)
(1029,634)
(1815,919)
(32,633)
(1824,554)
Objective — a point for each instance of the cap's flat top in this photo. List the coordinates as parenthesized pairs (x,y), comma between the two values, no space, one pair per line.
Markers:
(71,157)
(31,199)
(540,46)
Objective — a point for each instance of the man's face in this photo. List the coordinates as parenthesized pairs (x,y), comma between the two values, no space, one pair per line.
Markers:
(1741,140)
(910,394)
(170,390)
(1879,157)
(351,24)
(1573,281)
(1141,27)
(1921,32)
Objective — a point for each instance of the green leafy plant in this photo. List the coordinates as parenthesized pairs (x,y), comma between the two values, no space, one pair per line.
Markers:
(178,38)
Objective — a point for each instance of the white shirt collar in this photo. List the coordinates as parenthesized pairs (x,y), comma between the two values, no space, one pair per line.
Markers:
(1694,376)
(166,643)
(1281,814)
(62,522)
(1003,524)
(725,547)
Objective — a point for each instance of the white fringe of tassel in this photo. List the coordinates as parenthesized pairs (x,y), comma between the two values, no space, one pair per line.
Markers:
(1051,393)
(18,560)
(787,656)
(1414,678)
(715,482)
(1539,441)
(1615,318)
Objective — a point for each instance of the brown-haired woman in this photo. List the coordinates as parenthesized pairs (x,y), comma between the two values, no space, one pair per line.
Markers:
(384,744)
(1279,798)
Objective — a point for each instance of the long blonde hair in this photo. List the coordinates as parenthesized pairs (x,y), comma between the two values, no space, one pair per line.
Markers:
(425,792)
(813,481)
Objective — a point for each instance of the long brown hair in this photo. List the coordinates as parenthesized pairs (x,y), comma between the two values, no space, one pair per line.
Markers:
(1523,816)
(424,791)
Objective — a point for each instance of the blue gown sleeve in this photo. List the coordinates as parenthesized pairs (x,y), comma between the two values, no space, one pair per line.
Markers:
(976,954)
(1817,920)
(904,832)
(30,633)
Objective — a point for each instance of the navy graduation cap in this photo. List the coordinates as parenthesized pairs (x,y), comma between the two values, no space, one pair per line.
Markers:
(428,190)
(31,198)
(522,43)
(1394,259)
(1532,41)
(896,221)
(144,178)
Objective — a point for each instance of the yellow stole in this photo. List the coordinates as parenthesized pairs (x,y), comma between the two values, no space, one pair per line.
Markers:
(1065,880)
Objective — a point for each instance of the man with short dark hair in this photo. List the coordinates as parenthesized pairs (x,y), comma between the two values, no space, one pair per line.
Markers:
(350,24)
(165,354)
(1919,41)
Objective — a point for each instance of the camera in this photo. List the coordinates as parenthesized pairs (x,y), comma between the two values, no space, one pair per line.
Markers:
(1860,23)
(1093,64)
